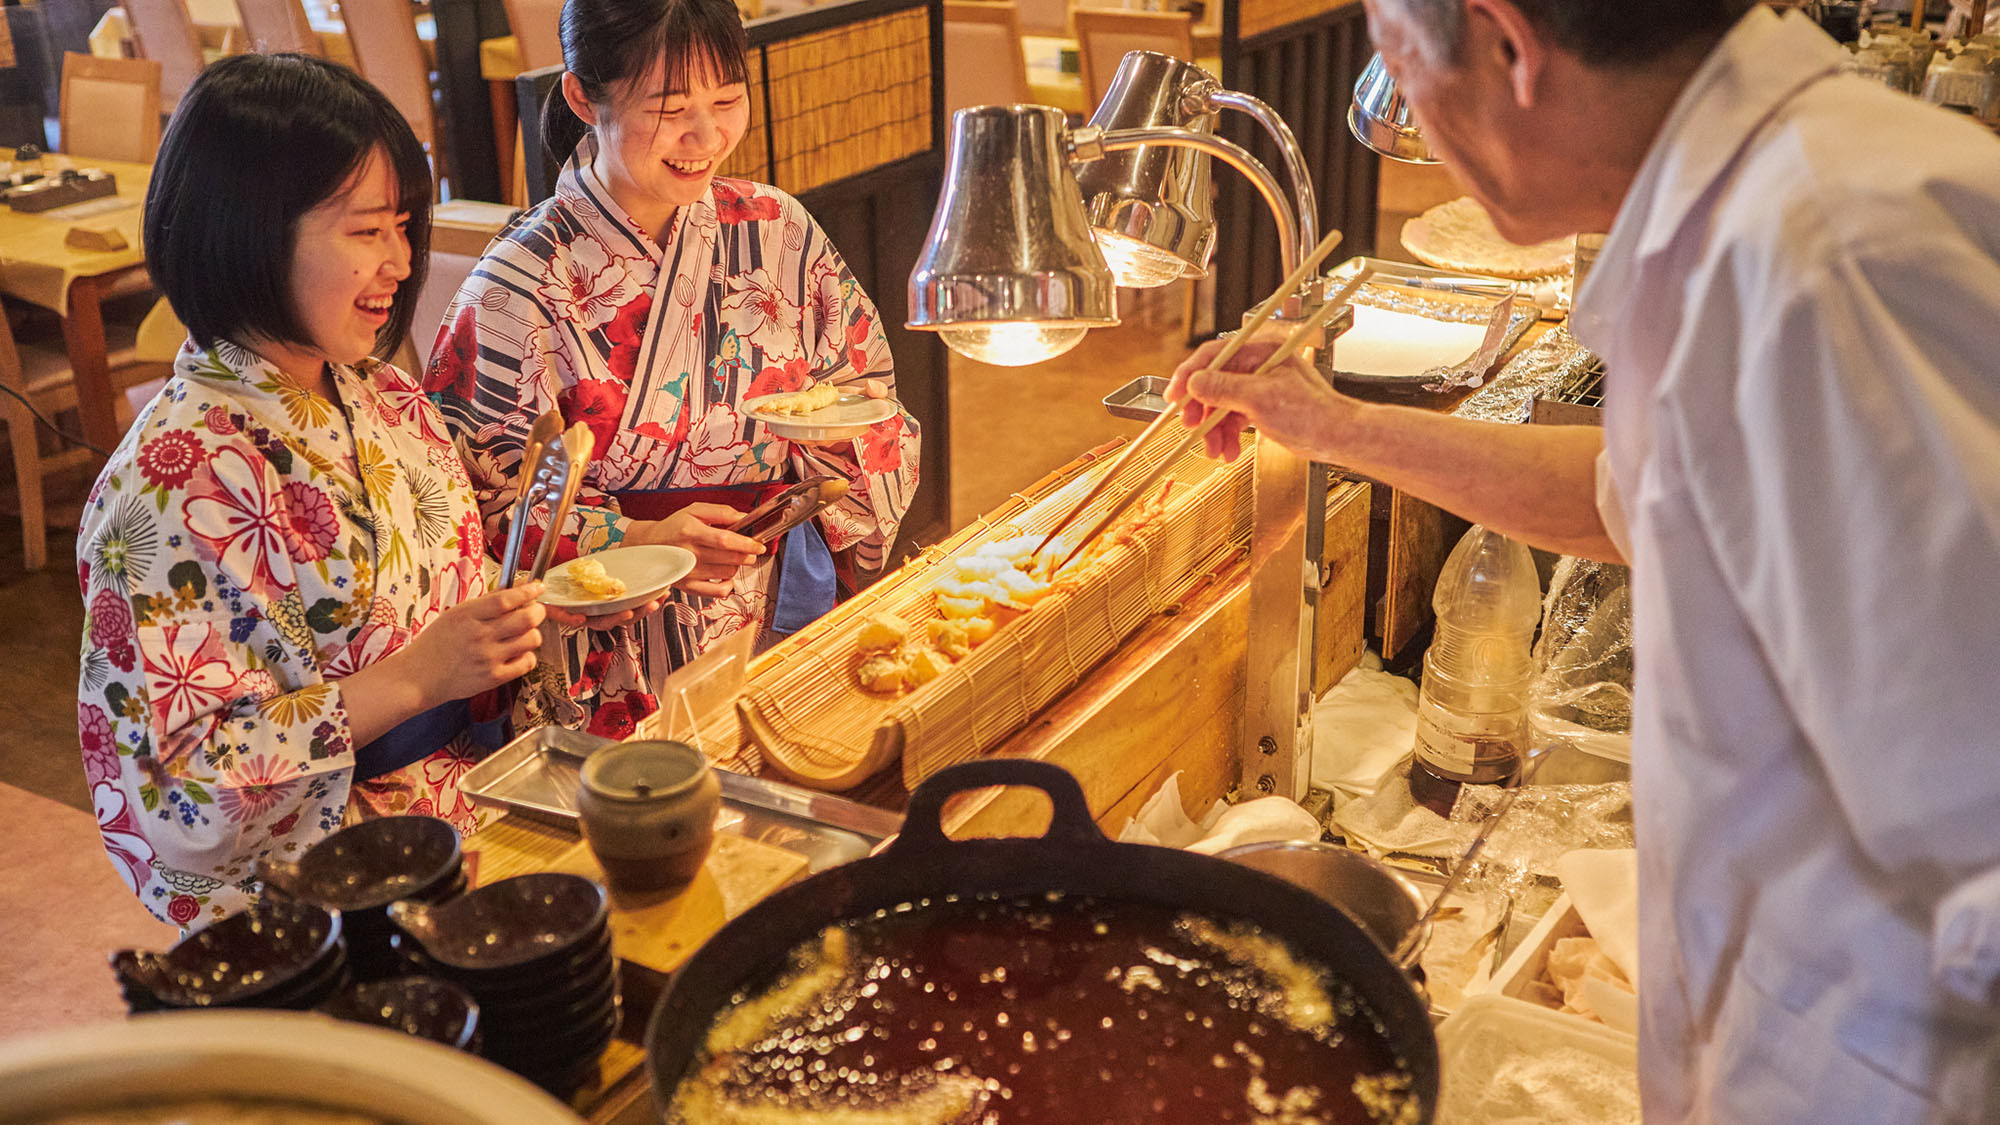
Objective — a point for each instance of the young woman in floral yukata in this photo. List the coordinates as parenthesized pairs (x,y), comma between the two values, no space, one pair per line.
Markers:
(287,617)
(648,299)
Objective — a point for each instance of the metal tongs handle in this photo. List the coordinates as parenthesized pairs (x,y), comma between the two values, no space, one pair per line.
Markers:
(530,486)
(574,446)
(790,508)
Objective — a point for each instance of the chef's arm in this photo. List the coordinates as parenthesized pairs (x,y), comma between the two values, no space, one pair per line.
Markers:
(1534,483)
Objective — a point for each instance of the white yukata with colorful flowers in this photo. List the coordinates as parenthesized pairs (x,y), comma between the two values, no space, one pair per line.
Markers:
(249,544)
(559,315)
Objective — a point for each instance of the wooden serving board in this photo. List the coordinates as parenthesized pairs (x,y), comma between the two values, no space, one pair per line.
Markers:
(662,935)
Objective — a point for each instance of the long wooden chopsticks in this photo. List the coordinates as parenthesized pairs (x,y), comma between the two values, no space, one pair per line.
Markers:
(1299,338)
(1230,347)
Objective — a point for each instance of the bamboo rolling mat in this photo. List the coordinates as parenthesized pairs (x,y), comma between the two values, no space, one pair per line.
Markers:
(813,722)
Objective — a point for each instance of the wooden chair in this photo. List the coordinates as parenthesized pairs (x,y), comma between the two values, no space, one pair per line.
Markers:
(271,26)
(389,55)
(110,108)
(165,33)
(1105,36)
(40,374)
(1044,17)
(537,32)
(983,61)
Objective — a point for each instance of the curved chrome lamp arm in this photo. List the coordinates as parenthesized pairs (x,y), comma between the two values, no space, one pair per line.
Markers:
(1090,143)
(1288,148)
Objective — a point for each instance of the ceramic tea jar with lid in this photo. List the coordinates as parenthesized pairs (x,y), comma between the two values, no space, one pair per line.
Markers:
(648,811)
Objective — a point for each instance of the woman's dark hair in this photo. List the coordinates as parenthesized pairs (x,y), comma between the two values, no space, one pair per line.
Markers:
(259,141)
(607,43)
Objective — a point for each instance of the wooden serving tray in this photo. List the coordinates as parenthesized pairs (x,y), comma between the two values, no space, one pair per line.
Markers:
(813,722)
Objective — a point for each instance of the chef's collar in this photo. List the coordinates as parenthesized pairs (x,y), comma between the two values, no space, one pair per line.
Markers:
(1753,71)
(1756,68)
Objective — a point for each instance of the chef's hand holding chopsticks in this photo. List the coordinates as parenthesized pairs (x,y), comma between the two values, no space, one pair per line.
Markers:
(703,529)
(1291,404)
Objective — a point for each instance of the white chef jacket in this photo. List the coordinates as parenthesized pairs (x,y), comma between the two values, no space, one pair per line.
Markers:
(1799,310)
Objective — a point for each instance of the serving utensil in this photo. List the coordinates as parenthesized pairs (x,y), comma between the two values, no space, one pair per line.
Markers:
(575,445)
(790,508)
(1300,338)
(1263,312)
(531,484)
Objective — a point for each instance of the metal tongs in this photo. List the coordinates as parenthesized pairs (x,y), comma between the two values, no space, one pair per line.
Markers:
(790,508)
(552,465)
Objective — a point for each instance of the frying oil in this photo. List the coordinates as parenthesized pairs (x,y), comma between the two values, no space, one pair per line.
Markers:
(1048,1009)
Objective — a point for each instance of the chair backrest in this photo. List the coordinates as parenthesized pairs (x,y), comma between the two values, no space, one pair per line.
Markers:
(538,166)
(537,32)
(983,61)
(1045,17)
(110,108)
(270,26)
(391,57)
(165,33)
(1105,36)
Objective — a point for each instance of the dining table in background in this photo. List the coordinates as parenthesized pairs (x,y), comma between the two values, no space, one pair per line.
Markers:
(37,265)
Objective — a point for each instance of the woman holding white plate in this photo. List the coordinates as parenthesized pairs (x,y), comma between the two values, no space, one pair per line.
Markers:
(654,302)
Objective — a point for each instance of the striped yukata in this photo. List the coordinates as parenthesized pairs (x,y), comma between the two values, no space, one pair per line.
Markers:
(568,310)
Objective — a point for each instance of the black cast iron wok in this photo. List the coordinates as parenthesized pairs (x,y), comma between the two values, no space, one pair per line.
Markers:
(1074,857)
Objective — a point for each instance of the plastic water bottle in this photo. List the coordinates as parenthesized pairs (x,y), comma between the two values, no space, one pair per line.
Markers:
(1472,715)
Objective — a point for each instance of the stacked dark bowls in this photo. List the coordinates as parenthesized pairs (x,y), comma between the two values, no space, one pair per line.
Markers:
(277,954)
(534,951)
(425,1007)
(361,869)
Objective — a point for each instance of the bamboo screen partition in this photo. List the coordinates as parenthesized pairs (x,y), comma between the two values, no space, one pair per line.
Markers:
(850,99)
(813,722)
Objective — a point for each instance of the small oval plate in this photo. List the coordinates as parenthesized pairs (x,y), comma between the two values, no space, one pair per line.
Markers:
(848,417)
(646,571)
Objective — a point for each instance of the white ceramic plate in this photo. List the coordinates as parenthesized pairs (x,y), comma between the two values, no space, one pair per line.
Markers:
(848,417)
(646,571)
(300,1058)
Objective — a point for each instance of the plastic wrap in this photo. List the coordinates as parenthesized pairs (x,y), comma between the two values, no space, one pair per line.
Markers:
(1581,697)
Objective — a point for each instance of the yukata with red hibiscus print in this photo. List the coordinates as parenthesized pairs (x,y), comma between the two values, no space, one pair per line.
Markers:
(250,544)
(654,347)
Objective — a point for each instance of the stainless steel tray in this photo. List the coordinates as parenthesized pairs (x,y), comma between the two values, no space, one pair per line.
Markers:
(536,776)
(1141,400)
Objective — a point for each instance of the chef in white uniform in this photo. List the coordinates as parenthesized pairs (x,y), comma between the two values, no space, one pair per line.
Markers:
(1799,309)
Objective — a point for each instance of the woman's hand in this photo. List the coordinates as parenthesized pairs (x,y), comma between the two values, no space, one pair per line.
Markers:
(703,529)
(1292,404)
(478,644)
(570,619)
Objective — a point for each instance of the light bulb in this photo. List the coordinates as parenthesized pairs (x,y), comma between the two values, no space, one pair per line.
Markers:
(1013,344)
(1135,264)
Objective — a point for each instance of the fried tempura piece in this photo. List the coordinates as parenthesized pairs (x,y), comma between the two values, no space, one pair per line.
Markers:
(961,607)
(951,637)
(805,401)
(924,665)
(587,575)
(882,633)
(978,630)
(885,674)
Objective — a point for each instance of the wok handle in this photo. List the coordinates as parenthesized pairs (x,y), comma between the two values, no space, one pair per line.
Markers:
(923,824)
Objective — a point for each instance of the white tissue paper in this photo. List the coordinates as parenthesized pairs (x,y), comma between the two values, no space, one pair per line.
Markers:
(1361,727)
(1603,884)
(1265,820)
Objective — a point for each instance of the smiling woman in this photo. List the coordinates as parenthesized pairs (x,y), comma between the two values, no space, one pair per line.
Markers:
(286,610)
(648,299)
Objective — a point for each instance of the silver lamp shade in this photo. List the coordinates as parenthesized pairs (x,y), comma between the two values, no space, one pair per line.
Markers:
(1150,207)
(1380,118)
(1009,274)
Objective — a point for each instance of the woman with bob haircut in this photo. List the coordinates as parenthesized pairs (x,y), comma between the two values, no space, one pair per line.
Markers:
(288,625)
(648,298)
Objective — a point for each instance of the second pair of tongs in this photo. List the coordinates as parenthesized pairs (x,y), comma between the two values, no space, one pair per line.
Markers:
(790,508)
(552,465)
